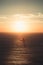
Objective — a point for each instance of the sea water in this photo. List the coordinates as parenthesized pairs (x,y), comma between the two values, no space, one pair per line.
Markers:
(13,51)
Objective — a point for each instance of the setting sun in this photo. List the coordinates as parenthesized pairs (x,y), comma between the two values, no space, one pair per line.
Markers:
(19,26)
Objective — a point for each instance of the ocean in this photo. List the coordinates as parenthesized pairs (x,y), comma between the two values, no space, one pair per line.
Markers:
(21,49)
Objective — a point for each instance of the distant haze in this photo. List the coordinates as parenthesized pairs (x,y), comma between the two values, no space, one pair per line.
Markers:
(30,12)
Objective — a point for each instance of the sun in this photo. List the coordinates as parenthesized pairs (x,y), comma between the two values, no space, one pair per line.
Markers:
(20,26)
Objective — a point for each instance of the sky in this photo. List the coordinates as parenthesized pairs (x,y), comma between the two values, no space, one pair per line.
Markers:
(29,11)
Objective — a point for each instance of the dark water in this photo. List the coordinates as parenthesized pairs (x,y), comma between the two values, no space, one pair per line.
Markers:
(13,51)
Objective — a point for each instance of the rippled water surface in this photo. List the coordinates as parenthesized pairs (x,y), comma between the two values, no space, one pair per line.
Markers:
(13,51)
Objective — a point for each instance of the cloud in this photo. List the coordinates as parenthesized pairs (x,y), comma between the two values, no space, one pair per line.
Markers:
(3,17)
(36,18)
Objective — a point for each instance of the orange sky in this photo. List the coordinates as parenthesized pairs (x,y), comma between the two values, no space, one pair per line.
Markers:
(21,23)
(21,16)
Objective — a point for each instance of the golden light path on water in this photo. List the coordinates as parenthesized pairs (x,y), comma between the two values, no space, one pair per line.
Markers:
(19,53)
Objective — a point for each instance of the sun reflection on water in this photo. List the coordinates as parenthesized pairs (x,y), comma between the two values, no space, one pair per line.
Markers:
(19,54)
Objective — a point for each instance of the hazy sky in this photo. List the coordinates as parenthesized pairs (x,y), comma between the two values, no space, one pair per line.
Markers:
(30,10)
(20,6)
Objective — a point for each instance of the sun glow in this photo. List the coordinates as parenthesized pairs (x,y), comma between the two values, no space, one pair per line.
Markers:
(20,26)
